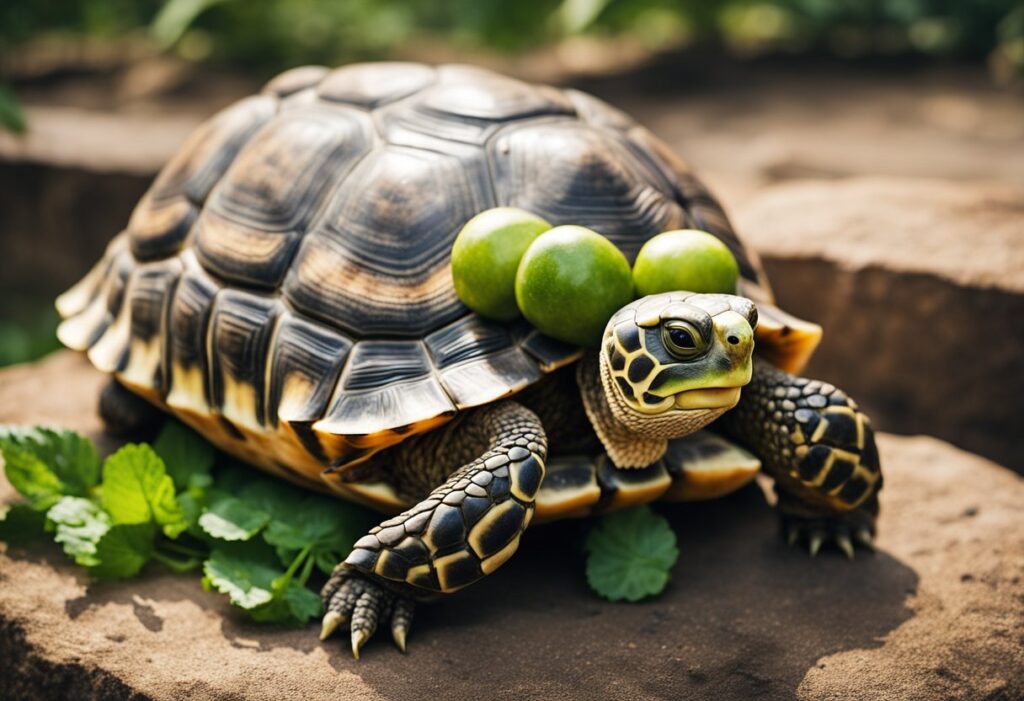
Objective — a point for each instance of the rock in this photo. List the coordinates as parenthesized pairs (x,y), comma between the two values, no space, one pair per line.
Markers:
(70,184)
(933,614)
(920,287)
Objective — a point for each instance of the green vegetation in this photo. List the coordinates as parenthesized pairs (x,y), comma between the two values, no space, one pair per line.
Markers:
(177,504)
(27,329)
(630,554)
(181,505)
(272,34)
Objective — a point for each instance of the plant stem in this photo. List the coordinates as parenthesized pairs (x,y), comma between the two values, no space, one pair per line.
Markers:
(281,583)
(306,570)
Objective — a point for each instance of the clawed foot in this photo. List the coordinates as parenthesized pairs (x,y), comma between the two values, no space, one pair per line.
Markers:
(351,598)
(844,530)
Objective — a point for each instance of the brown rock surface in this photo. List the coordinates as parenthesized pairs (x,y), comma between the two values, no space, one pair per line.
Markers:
(934,614)
(920,287)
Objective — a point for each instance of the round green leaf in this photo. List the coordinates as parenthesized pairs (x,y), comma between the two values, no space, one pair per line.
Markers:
(630,554)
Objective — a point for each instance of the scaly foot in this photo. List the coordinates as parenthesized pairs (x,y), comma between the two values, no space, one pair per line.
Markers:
(350,597)
(844,530)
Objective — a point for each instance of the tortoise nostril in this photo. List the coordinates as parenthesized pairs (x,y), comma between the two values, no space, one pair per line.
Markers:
(733,339)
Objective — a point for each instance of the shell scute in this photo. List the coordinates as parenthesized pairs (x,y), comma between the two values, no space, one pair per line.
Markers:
(370,85)
(251,227)
(240,327)
(304,363)
(571,173)
(376,263)
(162,219)
(187,355)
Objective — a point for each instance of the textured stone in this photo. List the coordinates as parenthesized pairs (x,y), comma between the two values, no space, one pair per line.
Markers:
(933,615)
(920,287)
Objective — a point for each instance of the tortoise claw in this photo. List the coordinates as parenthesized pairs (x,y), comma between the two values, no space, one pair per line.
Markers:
(845,531)
(843,542)
(864,537)
(332,619)
(359,636)
(817,538)
(401,620)
(792,535)
(352,598)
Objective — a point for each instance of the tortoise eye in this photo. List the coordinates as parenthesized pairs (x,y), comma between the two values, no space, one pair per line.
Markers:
(682,340)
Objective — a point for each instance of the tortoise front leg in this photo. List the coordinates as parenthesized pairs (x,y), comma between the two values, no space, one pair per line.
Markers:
(820,449)
(463,530)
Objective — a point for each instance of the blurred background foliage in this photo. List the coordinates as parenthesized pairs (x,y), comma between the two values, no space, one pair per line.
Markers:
(261,37)
(272,34)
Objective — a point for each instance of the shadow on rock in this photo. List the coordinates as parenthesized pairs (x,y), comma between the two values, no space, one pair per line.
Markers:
(744,616)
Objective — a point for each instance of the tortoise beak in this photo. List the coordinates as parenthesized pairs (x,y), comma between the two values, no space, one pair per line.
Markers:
(708,398)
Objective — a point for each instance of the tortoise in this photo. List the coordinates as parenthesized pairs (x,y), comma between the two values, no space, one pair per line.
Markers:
(284,287)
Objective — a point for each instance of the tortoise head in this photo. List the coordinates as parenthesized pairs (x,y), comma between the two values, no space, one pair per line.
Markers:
(673,362)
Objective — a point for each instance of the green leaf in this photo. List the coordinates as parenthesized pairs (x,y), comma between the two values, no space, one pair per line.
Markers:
(123,550)
(272,496)
(246,575)
(71,456)
(44,464)
(249,574)
(31,477)
(137,489)
(295,605)
(630,554)
(230,518)
(187,456)
(22,524)
(326,525)
(191,510)
(11,116)
(80,525)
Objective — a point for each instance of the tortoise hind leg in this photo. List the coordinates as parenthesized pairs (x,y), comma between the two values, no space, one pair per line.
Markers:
(126,414)
(465,529)
(820,450)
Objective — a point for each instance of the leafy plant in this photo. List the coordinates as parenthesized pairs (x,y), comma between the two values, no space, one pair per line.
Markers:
(254,539)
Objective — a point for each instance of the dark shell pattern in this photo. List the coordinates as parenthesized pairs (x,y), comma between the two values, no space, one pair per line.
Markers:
(287,275)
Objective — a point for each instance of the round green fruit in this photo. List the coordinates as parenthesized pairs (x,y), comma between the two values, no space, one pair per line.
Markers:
(685,260)
(570,282)
(486,255)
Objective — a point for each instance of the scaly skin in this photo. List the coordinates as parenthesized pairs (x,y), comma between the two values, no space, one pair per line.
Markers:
(462,531)
(820,449)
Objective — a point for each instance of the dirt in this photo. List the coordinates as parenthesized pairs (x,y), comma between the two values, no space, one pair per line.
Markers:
(934,614)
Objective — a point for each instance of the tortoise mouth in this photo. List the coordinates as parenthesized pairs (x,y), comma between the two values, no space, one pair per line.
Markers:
(708,398)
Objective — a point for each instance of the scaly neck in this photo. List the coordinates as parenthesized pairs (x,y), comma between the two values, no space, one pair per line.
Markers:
(625,446)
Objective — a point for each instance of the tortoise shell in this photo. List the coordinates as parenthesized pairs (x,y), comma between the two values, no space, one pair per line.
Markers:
(285,286)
